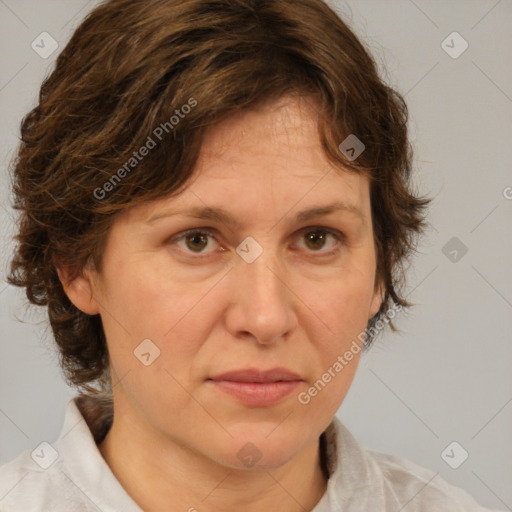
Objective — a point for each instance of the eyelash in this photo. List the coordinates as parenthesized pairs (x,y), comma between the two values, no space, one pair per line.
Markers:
(338,236)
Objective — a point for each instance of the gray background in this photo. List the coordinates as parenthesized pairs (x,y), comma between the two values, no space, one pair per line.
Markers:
(447,376)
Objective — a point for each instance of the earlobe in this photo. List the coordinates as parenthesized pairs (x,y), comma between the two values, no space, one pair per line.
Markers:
(80,291)
(377,300)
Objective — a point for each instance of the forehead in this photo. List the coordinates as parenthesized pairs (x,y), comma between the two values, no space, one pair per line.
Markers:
(280,137)
(275,148)
(264,163)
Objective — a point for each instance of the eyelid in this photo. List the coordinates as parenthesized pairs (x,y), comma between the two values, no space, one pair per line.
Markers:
(337,235)
(184,234)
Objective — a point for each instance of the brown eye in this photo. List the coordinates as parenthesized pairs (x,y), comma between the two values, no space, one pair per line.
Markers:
(322,241)
(315,239)
(197,241)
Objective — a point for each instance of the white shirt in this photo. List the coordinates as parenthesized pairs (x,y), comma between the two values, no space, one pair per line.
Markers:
(72,476)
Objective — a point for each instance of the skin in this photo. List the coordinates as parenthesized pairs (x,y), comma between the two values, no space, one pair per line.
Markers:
(175,437)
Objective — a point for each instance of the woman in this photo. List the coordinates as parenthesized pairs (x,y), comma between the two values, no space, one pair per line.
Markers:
(215,209)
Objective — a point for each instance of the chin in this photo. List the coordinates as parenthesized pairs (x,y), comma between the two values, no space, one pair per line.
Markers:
(262,448)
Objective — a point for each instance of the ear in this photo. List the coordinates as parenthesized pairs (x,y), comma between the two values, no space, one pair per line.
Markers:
(80,291)
(377,299)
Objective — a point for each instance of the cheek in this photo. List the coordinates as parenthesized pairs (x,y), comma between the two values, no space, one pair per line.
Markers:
(342,306)
(146,299)
(175,314)
(340,309)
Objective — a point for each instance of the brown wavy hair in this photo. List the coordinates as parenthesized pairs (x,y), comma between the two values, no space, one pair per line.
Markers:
(133,64)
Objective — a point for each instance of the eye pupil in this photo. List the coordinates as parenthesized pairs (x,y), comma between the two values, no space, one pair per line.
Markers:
(316,238)
(197,241)
(200,238)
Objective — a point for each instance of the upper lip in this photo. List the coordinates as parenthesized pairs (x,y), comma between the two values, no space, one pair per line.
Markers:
(257,375)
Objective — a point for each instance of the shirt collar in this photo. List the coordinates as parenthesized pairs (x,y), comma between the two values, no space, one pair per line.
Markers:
(86,467)
(352,472)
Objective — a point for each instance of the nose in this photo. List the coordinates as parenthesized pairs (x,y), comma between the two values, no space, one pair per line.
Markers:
(262,301)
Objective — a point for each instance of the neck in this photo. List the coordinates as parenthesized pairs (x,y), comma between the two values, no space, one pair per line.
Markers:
(157,471)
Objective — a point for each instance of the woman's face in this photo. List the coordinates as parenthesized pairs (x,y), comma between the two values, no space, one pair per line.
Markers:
(263,266)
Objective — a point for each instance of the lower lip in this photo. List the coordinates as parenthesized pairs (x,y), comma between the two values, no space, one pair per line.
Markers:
(257,394)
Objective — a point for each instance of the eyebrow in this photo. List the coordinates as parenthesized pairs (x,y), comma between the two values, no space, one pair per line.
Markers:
(223,216)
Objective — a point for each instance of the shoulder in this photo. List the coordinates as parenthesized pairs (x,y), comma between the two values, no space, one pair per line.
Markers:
(61,476)
(389,482)
(29,487)
(422,488)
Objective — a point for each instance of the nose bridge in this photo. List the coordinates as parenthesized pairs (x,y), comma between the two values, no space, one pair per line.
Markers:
(264,279)
(264,306)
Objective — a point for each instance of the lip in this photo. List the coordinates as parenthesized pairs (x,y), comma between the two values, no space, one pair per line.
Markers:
(257,388)
(257,375)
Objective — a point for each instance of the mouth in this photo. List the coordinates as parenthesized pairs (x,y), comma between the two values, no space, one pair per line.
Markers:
(257,388)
